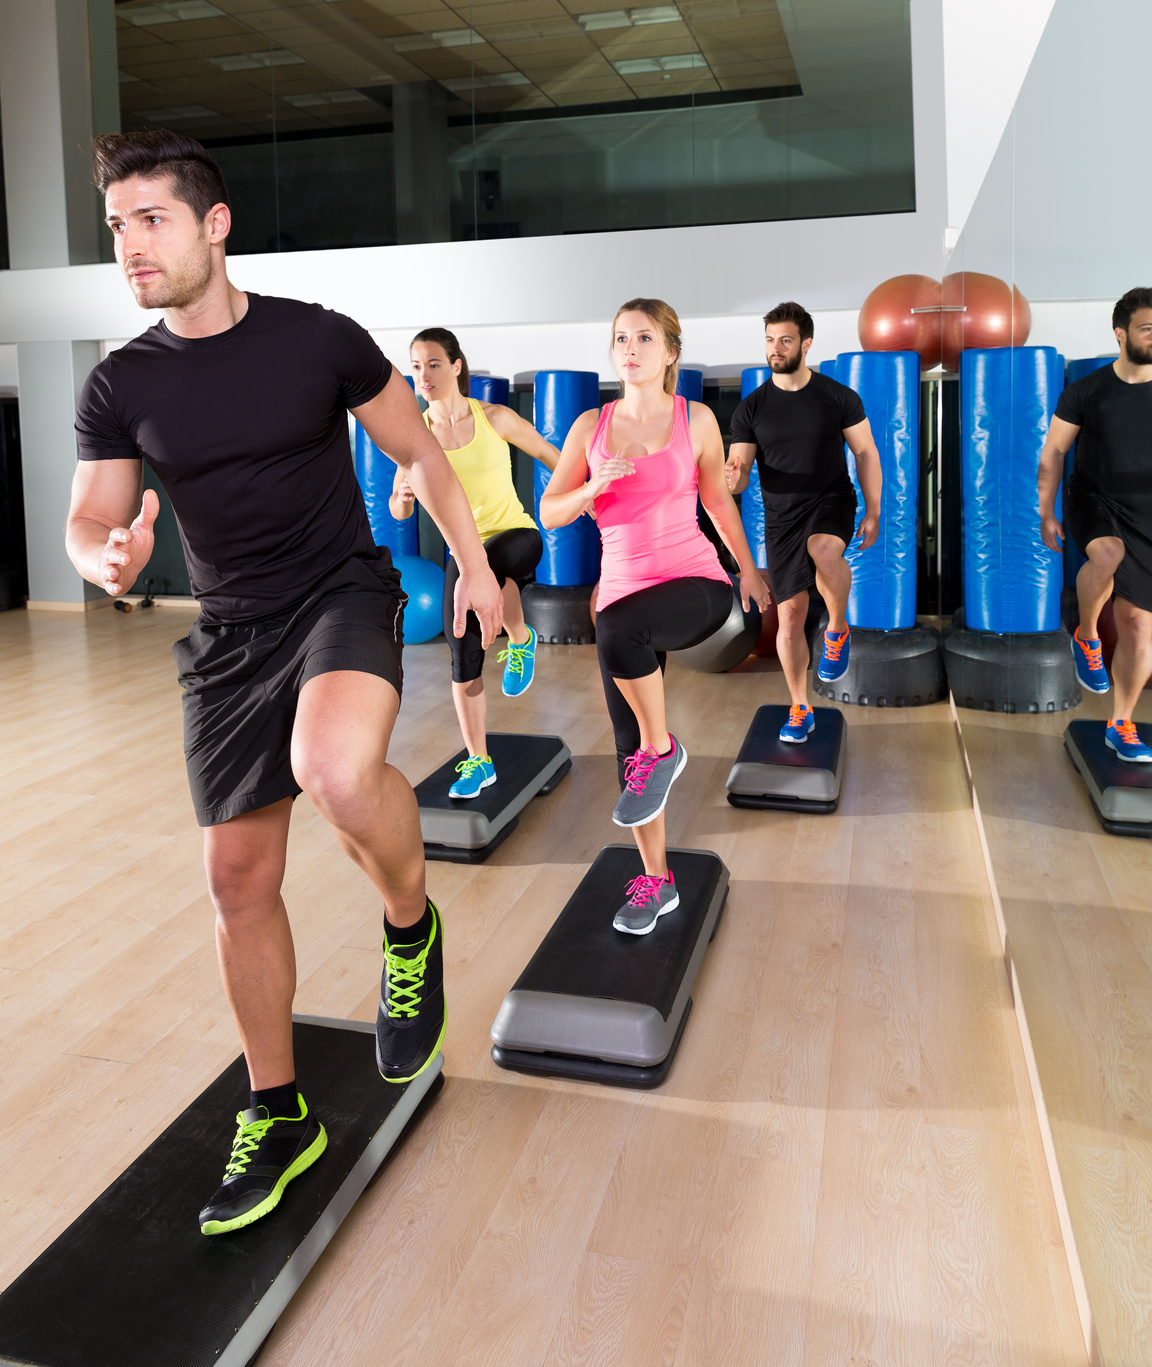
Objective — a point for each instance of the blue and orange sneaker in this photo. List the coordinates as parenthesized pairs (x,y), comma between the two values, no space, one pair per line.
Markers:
(1121,736)
(476,772)
(1089,659)
(834,656)
(519,665)
(801,721)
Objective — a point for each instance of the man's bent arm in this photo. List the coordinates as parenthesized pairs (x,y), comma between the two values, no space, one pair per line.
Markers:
(738,466)
(106,497)
(1056,446)
(392,419)
(868,471)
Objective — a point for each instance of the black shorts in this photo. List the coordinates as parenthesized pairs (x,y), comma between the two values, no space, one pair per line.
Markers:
(1088,515)
(242,680)
(791,569)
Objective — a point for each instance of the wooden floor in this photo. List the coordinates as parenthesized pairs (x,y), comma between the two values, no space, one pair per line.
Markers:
(843,1168)
(1077,910)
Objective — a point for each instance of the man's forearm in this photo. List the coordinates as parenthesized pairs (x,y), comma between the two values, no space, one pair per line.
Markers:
(84,540)
(439,492)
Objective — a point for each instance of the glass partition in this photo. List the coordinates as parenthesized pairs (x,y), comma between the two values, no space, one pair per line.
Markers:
(346,123)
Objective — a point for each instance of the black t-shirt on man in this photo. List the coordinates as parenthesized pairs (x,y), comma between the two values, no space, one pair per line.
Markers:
(1114,448)
(248,432)
(799,440)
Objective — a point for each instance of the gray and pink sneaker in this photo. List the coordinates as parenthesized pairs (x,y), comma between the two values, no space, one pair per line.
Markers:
(647,778)
(649,898)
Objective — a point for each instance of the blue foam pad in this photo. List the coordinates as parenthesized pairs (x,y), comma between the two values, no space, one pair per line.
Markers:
(375,473)
(883,596)
(571,554)
(489,388)
(1012,581)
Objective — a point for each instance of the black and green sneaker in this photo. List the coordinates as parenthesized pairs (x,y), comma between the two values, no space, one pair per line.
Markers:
(267,1153)
(412,1017)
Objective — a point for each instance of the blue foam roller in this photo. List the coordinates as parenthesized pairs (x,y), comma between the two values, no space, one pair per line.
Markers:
(489,388)
(883,596)
(375,473)
(571,554)
(690,385)
(1073,556)
(1012,581)
(423,581)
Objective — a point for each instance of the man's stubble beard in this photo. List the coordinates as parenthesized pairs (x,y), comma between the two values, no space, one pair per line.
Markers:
(791,364)
(181,285)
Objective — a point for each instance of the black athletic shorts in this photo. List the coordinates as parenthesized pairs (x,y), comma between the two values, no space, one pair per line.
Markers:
(1089,514)
(241,682)
(791,569)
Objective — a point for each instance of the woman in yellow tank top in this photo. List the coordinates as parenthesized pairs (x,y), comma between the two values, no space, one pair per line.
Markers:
(475,438)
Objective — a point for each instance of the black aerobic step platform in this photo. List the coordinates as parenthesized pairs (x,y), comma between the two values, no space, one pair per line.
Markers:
(771,773)
(602,1006)
(466,832)
(133,1283)
(1120,793)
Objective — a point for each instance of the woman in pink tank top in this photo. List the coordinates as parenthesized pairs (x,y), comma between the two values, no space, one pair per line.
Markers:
(640,463)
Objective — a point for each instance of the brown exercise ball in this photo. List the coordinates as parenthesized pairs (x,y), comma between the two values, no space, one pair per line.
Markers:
(992,315)
(887,322)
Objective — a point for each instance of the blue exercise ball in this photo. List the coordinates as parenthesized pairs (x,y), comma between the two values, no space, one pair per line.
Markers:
(423,582)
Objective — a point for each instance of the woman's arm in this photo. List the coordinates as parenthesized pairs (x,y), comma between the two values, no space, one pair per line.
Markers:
(402,499)
(517,432)
(719,506)
(570,492)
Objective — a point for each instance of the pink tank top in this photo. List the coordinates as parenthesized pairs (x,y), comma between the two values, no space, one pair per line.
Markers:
(647,520)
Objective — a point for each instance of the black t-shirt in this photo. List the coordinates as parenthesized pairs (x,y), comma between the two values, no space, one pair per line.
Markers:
(248,432)
(1114,448)
(799,440)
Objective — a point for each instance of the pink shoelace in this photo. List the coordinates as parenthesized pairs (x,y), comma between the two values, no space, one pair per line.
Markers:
(638,770)
(643,889)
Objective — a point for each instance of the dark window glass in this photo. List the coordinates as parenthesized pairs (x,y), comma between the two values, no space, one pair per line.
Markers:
(362,122)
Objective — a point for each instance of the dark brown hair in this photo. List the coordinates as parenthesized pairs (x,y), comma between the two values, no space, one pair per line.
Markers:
(441,337)
(791,312)
(1127,304)
(666,323)
(193,175)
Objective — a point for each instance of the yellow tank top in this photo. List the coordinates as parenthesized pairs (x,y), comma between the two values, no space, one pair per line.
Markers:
(484,468)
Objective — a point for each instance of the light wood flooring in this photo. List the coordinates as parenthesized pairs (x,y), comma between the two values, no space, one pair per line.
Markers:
(844,1167)
(1077,912)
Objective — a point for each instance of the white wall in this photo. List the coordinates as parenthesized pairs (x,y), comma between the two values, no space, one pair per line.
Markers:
(1065,204)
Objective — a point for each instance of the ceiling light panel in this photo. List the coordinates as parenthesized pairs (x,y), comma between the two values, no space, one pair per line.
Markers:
(311,99)
(168,12)
(679,61)
(629,18)
(176,112)
(253,61)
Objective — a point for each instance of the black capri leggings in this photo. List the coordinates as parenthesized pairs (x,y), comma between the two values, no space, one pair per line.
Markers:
(634,635)
(512,555)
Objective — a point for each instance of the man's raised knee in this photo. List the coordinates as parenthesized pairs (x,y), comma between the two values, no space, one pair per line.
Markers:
(336,783)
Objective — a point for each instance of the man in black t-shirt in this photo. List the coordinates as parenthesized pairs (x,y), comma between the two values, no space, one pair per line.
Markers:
(291,673)
(795,426)
(1108,513)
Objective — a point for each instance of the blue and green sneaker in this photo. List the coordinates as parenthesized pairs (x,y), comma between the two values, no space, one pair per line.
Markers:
(476,773)
(267,1153)
(519,665)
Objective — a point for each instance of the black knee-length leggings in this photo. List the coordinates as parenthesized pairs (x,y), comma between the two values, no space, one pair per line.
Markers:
(512,555)
(634,635)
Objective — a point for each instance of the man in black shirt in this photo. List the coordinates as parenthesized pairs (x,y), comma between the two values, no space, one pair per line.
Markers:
(1108,512)
(795,426)
(291,673)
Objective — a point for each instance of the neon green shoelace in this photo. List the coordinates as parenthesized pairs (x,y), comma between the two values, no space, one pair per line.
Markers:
(467,767)
(515,655)
(405,981)
(245,1144)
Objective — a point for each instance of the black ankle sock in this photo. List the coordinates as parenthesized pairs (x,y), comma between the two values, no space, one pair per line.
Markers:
(280,1101)
(411,935)
(665,753)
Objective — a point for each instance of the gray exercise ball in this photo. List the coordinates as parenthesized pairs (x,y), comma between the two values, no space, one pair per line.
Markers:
(729,645)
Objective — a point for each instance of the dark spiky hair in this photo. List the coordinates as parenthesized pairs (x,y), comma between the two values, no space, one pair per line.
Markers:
(791,312)
(194,176)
